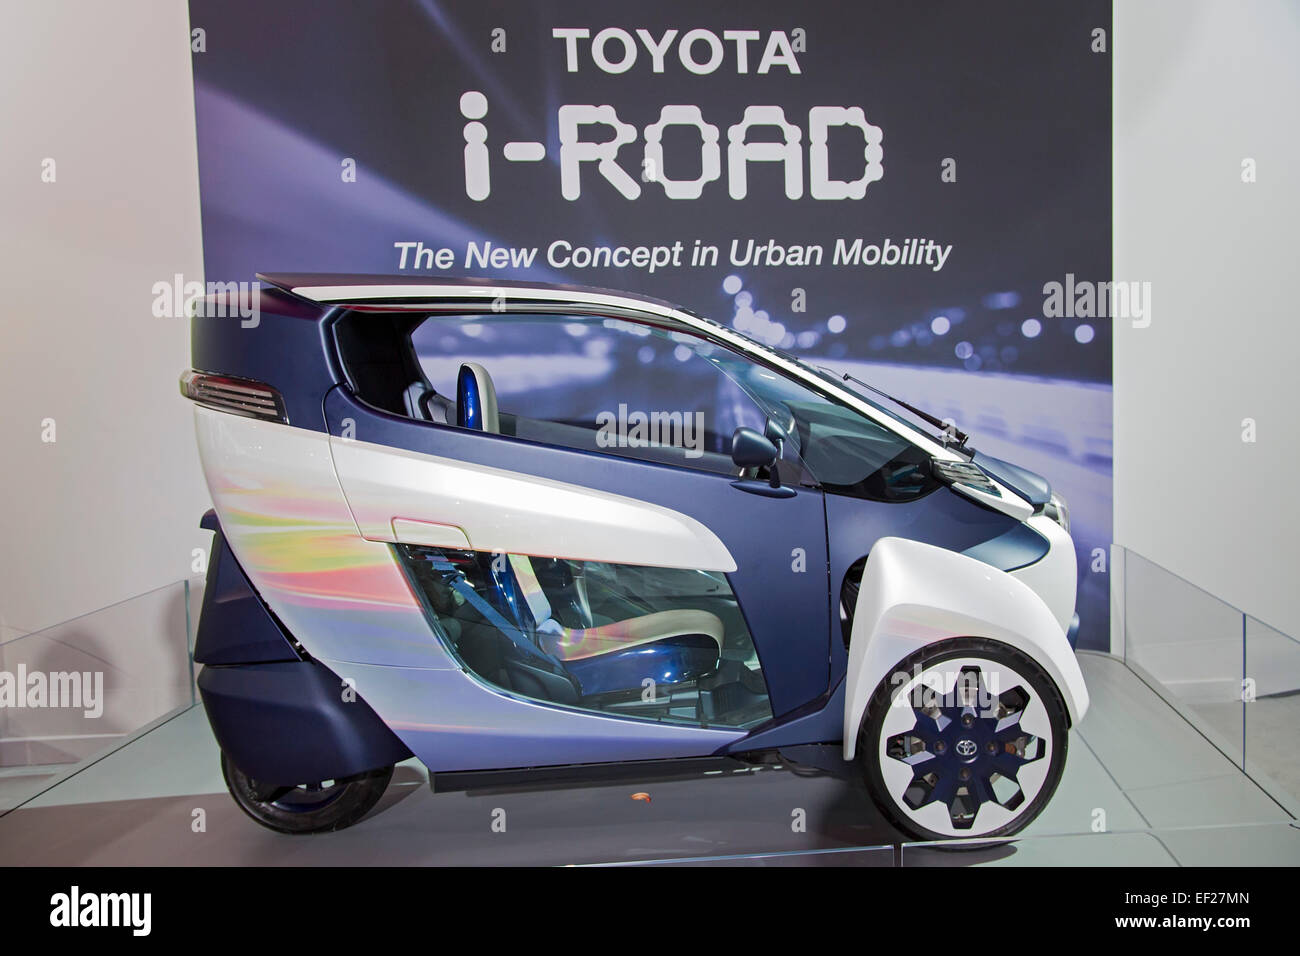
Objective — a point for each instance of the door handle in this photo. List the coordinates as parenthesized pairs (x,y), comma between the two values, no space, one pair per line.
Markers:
(755,487)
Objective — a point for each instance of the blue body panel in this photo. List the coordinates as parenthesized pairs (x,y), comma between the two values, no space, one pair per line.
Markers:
(234,626)
(818,721)
(1020,547)
(287,723)
(286,349)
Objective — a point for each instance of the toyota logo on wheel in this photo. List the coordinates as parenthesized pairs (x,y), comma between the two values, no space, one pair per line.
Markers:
(966,747)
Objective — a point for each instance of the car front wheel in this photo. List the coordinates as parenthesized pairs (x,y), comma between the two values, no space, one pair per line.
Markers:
(966,739)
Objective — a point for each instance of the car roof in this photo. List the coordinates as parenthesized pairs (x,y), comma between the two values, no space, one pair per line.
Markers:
(345,288)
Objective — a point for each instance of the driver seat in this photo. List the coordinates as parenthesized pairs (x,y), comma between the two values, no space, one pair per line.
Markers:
(476,399)
(673,645)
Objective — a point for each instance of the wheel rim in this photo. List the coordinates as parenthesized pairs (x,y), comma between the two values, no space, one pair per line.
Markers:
(965,747)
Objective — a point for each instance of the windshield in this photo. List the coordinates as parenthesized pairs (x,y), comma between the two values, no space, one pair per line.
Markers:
(846,451)
(837,378)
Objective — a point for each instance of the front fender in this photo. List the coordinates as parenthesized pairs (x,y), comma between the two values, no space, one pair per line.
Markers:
(915,594)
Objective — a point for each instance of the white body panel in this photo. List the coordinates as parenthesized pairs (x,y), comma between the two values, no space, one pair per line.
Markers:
(915,594)
(1055,576)
(284,517)
(496,510)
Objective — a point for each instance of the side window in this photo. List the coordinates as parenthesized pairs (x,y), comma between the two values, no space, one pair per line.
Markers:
(660,644)
(591,383)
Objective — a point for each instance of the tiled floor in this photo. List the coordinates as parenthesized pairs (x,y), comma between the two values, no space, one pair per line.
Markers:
(1157,791)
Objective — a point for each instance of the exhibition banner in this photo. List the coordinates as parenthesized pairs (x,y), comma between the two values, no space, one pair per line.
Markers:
(917,194)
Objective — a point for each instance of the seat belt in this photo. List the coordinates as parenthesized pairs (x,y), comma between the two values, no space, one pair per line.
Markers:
(491,614)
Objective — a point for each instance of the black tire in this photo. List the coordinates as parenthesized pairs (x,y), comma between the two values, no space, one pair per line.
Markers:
(308,808)
(964,785)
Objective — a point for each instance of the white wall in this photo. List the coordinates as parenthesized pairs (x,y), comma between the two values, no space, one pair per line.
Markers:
(110,509)
(1199,86)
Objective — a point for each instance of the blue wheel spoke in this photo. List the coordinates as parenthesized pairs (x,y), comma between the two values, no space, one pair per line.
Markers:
(1009,733)
(1008,765)
(980,790)
(945,790)
(927,728)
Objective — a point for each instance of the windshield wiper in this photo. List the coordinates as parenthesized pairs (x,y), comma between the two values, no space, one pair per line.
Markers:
(949,432)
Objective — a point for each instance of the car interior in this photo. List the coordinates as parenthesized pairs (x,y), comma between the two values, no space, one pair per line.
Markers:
(658,643)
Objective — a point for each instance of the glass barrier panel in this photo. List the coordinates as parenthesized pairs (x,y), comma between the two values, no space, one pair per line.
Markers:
(1190,642)
(74,691)
(1272,695)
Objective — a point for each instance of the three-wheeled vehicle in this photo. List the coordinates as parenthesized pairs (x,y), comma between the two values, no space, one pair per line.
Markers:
(504,525)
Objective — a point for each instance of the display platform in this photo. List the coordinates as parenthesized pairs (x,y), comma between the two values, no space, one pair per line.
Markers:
(1142,787)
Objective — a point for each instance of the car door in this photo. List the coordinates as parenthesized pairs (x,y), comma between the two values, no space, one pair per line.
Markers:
(508,528)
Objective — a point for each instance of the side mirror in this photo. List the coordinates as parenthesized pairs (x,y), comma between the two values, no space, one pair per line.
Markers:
(749,449)
(777,436)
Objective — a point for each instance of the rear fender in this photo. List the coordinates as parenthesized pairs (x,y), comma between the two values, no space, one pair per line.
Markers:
(292,722)
(915,594)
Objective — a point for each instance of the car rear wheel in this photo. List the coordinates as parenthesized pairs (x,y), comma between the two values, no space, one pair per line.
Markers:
(966,739)
(316,807)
